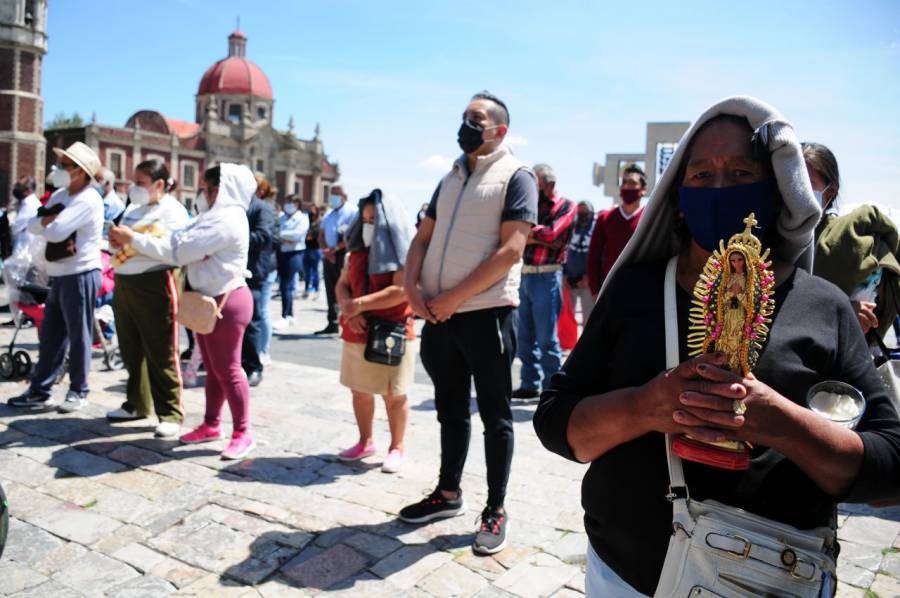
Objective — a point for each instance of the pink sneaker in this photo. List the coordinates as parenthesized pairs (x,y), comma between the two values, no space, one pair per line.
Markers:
(395,458)
(202,433)
(356,452)
(241,444)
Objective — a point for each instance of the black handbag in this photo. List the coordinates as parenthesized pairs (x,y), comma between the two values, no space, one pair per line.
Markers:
(385,341)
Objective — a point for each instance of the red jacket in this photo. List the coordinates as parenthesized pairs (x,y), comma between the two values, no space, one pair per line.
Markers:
(611,232)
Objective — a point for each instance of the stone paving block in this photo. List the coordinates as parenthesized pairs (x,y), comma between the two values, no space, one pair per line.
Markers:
(24,470)
(76,490)
(513,554)
(372,544)
(77,524)
(365,585)
(28,504)
(493,592)
(135,456)
(8,437)
(577,582)
(62,557)
(94,573)
(405,567)
(540,575)
(855,576)
(63,431)
(127,507)
(567,593)
(143,483)
(886,586)
(204,544)
(17,577)
(866,557)
(486,566)
(82,463)
(890,563)
(139,556)
(452,580)
(281,588)
(326,569)
(870,531)
(125,535)
(146,586)
(177,573)
(266,558)
(52,589)
(845,591)
(183,470)
(571,548)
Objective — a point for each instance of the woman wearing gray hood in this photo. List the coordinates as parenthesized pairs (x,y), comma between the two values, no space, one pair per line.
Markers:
(616,398)
(375,315)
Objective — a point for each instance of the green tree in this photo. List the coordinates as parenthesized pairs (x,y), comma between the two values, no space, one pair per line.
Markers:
(61,121)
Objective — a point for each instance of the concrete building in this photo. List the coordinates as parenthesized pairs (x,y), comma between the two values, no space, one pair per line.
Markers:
(233,116)
(23,43)
(661,141)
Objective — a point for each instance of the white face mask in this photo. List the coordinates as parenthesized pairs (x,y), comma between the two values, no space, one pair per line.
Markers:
(201,204)
(138,195)
(290,209)
(368,234)
(60,178)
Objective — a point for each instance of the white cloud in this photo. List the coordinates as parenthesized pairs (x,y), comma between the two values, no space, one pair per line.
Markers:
(437,162)
(514,140)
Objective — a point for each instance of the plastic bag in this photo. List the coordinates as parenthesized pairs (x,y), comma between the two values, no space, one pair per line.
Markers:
(25,274)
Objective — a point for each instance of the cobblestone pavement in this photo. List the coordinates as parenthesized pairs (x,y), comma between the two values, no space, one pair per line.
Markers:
(107,510)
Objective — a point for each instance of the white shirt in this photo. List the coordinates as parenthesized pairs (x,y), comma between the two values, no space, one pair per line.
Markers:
(160,219)
(83,215)
(26,210)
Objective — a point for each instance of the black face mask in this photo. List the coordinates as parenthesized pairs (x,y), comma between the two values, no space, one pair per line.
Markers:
(20,192)
(469,136)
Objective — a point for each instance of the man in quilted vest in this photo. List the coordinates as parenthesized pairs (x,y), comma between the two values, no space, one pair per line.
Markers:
(462,276)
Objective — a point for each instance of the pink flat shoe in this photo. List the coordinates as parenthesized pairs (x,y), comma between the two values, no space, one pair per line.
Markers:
(241,444)
(356,452)
(202,433)
(394,460)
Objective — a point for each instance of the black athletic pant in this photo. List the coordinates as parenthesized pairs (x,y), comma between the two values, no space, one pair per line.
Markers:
(249,353)
(477,345)
(331,273)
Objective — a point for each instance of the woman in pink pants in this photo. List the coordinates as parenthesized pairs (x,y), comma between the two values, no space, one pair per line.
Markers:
(213,250)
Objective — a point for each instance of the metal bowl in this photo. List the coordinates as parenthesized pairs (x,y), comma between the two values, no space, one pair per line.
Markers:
(826,397)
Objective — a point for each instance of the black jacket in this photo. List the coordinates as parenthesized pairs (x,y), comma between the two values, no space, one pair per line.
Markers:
(261,257)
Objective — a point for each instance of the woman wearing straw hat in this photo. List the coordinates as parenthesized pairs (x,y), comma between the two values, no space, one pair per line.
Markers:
(72,224)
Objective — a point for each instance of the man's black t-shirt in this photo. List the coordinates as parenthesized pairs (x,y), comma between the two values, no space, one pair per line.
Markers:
(815,336)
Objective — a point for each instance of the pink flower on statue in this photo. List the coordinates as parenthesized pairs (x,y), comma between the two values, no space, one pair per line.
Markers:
(753,335)
(760,319)
(705,299)
(764,297)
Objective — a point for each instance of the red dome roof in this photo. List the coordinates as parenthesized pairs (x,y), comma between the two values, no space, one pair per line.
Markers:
(235,75)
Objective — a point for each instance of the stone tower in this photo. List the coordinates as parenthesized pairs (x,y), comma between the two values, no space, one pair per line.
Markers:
(23,43)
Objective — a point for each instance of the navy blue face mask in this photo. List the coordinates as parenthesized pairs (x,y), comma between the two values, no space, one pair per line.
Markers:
(714,214)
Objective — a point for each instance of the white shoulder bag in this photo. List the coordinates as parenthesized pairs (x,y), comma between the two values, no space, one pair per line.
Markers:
(721,551)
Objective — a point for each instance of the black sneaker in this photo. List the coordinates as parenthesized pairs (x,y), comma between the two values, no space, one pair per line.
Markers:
(491,536)
(254,378)
(525,393)
(433,506)
(30,400)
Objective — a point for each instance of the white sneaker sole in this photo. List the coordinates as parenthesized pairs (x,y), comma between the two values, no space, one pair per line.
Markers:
(439,515)
(240,455)
(482,550)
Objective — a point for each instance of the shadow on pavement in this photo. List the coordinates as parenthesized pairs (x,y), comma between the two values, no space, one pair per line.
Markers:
(338,559)
(305,470)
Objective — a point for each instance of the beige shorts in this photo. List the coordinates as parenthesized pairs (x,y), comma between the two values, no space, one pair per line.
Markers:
(376,378)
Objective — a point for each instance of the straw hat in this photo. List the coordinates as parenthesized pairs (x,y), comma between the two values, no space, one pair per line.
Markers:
(82,155)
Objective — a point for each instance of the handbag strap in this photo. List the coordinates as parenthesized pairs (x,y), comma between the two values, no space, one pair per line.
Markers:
(678,490)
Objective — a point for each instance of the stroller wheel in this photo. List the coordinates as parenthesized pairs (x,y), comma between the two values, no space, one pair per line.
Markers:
(113,360)
(23,363)
(7,366)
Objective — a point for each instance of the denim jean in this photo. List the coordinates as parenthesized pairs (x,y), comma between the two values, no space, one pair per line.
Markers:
(540,301)
(265,321)
(311,260)
(290,263)
(600,580)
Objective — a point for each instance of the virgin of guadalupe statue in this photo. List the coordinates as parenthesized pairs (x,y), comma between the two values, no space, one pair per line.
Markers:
(732,308)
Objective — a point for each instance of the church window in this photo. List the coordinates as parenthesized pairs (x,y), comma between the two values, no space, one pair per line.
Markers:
(234,113)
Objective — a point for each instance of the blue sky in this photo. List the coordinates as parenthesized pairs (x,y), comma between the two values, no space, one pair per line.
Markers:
(388,80)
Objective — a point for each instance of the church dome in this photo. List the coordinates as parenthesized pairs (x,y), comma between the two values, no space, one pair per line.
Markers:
(236,74)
